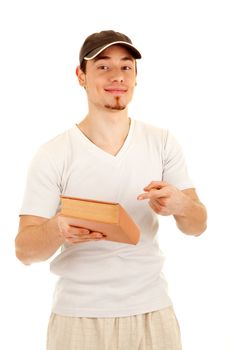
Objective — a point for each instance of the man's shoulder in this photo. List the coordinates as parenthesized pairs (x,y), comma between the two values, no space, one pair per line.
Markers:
(58,142)
(56,149)
(151,130)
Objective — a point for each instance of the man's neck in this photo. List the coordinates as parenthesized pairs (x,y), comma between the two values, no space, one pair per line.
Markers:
(106,130)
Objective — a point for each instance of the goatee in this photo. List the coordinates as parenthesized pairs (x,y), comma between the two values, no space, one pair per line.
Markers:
(117,106)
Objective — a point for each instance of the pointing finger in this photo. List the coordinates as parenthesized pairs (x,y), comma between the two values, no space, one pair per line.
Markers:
(155,184)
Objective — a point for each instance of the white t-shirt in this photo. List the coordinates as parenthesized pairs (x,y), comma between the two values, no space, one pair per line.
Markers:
(103,278)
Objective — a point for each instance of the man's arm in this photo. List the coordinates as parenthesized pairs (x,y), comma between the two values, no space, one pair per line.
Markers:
(39,238)
(193,218)
(190,214)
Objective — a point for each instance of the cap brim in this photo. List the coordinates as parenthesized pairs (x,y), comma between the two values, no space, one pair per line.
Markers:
(94,53)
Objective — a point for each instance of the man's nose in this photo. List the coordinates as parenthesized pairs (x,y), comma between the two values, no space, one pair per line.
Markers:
(117,76)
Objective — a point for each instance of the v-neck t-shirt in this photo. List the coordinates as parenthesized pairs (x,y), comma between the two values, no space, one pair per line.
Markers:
(104,278)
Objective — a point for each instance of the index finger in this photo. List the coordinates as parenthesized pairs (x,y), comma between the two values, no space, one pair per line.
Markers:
(152,194)
(155,184)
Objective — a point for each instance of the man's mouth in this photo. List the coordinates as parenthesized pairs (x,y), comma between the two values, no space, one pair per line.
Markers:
(116,91)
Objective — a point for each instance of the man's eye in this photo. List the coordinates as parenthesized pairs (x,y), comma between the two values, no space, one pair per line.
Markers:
(126,68)
(102,67)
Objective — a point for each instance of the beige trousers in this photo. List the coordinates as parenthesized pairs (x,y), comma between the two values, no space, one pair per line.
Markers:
(158,330)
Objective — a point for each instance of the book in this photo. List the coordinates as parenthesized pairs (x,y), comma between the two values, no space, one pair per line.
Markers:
(108,218)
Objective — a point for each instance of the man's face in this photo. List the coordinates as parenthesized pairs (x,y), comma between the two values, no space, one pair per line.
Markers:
(110,78)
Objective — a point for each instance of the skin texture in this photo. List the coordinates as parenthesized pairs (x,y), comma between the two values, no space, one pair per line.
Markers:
(109,82)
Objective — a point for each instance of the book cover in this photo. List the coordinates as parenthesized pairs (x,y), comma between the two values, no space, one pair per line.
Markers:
(109,218)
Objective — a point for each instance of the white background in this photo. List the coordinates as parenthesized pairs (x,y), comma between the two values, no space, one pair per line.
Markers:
(183,84)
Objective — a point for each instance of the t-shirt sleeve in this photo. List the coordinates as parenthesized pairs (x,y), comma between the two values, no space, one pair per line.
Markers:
(174,167)
(43,187)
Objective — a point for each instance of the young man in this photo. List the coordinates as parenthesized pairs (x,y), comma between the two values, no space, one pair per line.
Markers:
(109,295)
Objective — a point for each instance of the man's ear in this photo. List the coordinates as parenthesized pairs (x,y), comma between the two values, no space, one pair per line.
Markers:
(81,76)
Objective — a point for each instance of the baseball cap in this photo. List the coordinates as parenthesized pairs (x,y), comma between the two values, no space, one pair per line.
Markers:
(95,43)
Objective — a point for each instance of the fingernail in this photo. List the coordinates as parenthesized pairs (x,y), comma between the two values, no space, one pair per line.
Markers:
(84,230)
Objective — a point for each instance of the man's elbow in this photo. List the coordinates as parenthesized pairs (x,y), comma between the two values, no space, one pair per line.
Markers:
(201,230)
(193,231)
(22,257)
(22,253)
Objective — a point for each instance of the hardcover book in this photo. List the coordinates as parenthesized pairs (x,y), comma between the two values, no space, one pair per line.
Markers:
(109,218)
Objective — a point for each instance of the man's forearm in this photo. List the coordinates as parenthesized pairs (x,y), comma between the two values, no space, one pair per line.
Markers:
(194,218)
(36,243)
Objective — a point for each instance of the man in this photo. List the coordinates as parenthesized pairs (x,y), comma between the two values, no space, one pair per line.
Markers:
(109,295)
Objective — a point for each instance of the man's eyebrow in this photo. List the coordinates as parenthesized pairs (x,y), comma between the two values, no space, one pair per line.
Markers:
(101,57)
(128,58)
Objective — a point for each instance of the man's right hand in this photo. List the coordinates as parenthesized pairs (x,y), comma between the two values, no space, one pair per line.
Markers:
(73,234)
